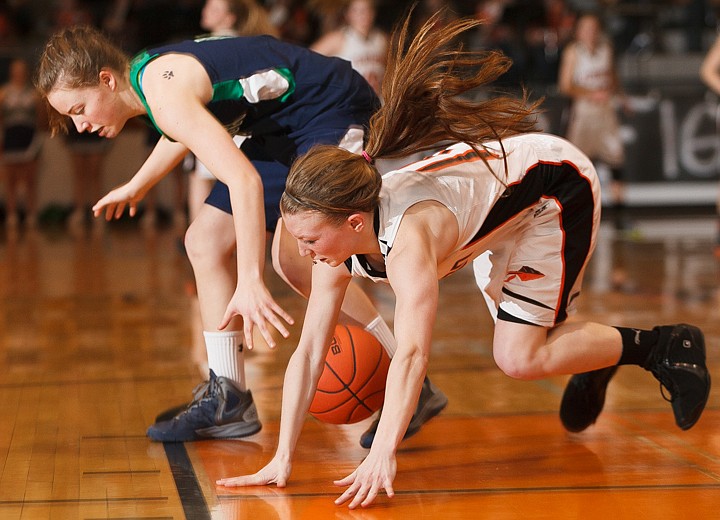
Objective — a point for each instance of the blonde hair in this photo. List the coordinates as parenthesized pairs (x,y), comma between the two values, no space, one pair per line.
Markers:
(423,89)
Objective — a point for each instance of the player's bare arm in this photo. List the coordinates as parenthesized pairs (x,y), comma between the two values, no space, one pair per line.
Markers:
(412,269)
(303,372)
(178,102)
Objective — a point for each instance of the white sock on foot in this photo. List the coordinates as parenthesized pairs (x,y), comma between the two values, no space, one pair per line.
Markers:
(225,356)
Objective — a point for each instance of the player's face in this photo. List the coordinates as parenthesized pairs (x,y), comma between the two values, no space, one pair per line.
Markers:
(320,239)
(92,109)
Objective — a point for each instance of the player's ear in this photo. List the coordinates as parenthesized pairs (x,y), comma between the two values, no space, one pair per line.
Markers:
(107,78)
(356,222)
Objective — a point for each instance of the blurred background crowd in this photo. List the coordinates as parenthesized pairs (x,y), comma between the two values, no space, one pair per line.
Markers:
(532,32)
(658,45)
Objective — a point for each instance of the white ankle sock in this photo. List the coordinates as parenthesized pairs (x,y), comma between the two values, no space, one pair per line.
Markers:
(382,332)
(225,355)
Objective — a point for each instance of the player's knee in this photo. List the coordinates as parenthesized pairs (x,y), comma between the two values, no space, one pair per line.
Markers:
(202,246)
(278,266)
(287,270)
(192,243)
(292,273)
(516,362)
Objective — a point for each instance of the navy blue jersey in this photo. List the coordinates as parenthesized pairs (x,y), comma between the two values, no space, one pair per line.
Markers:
(285,98)
(273,91)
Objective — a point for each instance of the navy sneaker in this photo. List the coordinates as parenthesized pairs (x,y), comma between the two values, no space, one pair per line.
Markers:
(431,402)
(678,362)
(584,398)
(197,392)
(222,412)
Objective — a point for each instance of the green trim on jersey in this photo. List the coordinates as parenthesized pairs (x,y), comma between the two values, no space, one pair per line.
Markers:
(233,89)
(230,89)
(137,67)
(288,75)
(225,90)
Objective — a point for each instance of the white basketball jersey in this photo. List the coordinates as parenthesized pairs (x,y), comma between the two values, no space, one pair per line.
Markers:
(537,218)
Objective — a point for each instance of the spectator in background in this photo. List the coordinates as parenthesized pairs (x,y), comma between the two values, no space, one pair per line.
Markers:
(589,78)
(236,18)
(710,74)
(545,37)
(20,116)
(499,31)
(442,12)
(295,22)
(359,41)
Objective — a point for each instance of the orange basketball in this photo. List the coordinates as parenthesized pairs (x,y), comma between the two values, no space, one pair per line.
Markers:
(352,385)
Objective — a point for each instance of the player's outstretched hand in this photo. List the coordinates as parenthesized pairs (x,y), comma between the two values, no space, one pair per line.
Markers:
(257,307)
(114,203)
(275,472)
(375,473)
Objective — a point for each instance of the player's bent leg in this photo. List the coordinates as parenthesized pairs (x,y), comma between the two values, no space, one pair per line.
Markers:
(210,245)
(221,407)
(676,359)
(519,350)
(530,352)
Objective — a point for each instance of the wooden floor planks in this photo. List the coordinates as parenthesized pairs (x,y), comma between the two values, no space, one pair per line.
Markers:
(95,340)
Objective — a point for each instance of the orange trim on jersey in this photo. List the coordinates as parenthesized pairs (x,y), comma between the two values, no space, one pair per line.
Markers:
(468,156)
(562,257)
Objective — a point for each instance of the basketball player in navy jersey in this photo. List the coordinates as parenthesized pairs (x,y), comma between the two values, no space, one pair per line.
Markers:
(522,208)
(199,94)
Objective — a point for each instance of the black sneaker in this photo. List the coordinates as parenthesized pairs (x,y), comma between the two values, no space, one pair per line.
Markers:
(197,392)
(222,412)
(584,398)
(431,402)
(678,362)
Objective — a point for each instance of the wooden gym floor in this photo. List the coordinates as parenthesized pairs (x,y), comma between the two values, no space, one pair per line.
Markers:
(95,339)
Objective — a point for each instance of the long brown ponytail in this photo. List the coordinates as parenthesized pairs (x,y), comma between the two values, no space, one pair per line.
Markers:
(426,102)
(426,89)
